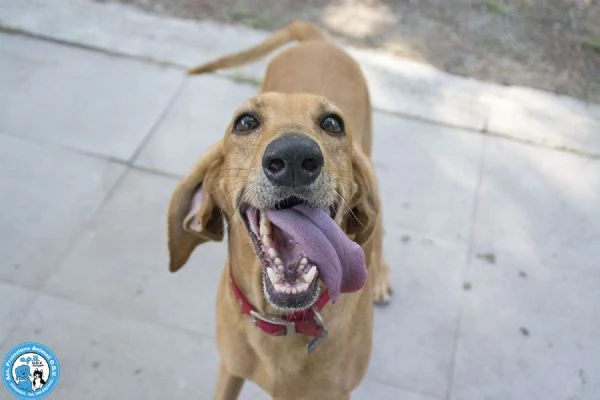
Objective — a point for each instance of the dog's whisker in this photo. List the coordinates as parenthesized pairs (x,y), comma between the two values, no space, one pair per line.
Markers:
(228,196)
(345,203)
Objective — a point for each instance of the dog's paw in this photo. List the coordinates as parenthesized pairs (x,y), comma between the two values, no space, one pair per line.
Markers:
(382,291)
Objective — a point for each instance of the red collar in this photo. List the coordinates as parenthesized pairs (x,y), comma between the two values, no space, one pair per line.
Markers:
(306,322)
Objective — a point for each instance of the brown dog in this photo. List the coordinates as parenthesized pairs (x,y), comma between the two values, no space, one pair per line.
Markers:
(293,179)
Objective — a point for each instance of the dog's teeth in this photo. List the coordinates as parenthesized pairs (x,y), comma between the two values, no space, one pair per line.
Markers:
(263,219)
(266,241)
(280,268)
(310,274)
(288,290)
(302,287)
(264,227)
(278,261)
(304,261)
(273,276)
(279,287)
(272,252)
(264,231)
(294,290)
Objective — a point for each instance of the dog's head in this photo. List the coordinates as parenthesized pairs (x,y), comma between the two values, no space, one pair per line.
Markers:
(23,371)
(286,170)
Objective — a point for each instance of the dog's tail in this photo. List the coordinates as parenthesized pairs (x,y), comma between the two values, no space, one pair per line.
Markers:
(300,31)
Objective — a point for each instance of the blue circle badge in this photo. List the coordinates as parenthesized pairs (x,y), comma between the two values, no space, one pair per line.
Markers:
(30,371)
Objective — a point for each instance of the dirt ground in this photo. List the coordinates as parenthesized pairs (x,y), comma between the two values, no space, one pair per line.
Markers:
(552,45)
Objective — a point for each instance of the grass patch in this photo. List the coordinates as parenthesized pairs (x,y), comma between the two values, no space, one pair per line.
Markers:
(403,50)
(497,8)
(250,17)
(246,80)
(592,43)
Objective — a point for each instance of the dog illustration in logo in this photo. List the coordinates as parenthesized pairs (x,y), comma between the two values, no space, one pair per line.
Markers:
(23,373)
(38,379)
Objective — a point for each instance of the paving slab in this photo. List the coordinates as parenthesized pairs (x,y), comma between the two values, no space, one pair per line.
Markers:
(48,195)
(121,262)
(428,176)
(104,356)
(197,119)
(79,98)
(529,331)
(414,335)
(541,204)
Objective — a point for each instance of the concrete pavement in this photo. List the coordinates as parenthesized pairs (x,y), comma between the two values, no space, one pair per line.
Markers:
(491,197)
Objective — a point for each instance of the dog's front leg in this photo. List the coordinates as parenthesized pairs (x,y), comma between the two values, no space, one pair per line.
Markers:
(380,271)
(228,386)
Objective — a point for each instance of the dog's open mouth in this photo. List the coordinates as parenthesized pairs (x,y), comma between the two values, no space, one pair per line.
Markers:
(298,246)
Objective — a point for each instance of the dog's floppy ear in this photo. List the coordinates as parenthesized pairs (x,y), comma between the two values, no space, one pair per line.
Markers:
(365,203)
(194,217)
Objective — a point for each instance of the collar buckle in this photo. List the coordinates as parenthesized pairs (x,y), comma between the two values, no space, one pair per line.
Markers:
(290,327)
(317,340)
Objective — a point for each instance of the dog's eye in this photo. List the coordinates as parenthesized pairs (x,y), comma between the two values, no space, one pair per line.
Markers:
(245,123)
(333,125)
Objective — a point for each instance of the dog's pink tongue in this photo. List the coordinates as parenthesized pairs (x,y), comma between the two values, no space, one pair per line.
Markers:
(341,262)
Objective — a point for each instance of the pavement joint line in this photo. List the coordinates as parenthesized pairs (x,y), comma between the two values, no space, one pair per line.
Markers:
(119,161)
(82,46)
(41,291)
(159,120)
(542,146)
(486,132)
(114,160)
(462,294)
(91,154)
(62,147)
(157,172)
(111,192)
(429,121)
(83,228)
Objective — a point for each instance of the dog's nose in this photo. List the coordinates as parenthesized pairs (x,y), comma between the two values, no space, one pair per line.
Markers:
(292,160)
